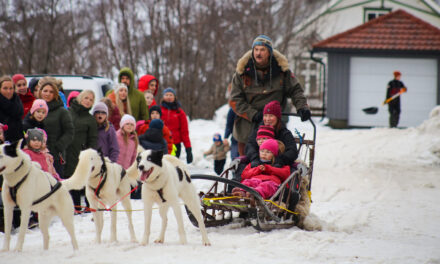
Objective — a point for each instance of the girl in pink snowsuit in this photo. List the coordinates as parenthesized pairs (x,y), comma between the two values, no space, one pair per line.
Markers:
(264,178)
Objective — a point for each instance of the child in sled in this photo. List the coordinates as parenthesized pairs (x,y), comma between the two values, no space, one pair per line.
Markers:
(264,178)
(218,151)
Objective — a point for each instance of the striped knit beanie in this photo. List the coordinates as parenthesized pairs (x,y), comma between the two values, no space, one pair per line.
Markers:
(265,132)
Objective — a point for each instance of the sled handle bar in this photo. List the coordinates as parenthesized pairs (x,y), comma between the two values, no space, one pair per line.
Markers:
(237,184)
(311,122)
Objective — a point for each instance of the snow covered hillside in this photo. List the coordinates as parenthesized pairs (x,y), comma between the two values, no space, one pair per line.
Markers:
(375,192)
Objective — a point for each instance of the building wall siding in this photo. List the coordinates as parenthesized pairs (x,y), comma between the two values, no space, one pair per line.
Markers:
(338,86)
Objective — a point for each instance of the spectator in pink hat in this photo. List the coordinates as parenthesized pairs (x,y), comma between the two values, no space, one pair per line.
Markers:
(36,115)
(264,178)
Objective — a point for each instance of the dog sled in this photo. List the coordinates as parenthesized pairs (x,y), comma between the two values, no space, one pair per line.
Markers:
(288,207)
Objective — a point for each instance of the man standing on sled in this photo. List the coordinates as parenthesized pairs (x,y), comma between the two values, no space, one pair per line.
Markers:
(262,75)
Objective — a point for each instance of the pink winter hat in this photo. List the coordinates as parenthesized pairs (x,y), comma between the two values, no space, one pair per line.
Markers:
(39,104)
(271,145)
(127,119)
(18,77)
(273,108)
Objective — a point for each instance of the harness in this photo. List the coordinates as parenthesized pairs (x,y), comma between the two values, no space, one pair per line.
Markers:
(14,189)
(103,173)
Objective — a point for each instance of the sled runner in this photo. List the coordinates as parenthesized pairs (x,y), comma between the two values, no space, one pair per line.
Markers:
(286,208)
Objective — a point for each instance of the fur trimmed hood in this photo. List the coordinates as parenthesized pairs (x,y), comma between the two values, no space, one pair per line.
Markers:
(280,58)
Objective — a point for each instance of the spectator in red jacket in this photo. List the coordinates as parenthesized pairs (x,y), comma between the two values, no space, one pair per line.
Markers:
(175,119)
(151,83)
(26,97)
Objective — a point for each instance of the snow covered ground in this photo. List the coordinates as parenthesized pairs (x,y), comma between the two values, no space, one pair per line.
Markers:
(375,192)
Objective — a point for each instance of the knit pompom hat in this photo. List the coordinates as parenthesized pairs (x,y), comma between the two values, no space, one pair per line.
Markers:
(127,119)
(35,134)
(156,123)
(169,90)
(265,132)
(271,145)
(100,107)
(217,137)
(39,104)
(263,40)
(273,108)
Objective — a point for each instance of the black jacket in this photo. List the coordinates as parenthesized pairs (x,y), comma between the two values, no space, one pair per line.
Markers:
(11,112)
(153,139)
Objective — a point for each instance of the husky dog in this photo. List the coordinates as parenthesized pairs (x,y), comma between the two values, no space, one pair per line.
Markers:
(165,179)
(30,188)
(106,183)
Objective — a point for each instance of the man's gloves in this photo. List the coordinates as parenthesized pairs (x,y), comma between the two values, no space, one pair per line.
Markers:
(189,155)
(304,113)
(258,117)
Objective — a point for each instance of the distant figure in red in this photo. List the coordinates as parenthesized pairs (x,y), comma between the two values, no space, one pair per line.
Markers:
(394,87)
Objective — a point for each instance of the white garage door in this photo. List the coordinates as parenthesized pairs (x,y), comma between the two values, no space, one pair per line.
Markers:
(368,81)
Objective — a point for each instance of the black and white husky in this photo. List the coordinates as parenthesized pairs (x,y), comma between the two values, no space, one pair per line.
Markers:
(106,183)
(30,188)
(165,178)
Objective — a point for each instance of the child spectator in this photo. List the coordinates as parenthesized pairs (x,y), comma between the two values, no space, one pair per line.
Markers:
(264,178)
(149,83)
(142,126)
(113,116)
(36,115)
(26,97)
(174,117)
(127,141)
(149,98)
(218,150)
(153,137)
(107,140)
(36,149)
(3,128)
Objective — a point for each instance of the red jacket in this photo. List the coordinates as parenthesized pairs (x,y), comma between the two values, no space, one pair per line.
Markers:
(177,122)
(142,126)
(270,173)
(27,100)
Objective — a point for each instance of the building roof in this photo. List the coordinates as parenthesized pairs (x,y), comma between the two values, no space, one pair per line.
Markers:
(398,30)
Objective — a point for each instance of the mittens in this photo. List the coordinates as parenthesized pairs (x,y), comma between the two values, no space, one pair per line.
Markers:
(189,155)
(305,114)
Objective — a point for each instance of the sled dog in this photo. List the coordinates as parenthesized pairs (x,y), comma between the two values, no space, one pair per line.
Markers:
(32,189)
(165,178)
(106,183)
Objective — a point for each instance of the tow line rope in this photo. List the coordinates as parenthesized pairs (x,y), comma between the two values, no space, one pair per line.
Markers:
(111,207)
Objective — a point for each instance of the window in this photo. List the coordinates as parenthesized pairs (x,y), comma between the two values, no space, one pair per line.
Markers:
(372,13)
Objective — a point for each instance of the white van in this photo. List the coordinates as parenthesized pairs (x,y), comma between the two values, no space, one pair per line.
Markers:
(99,85)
